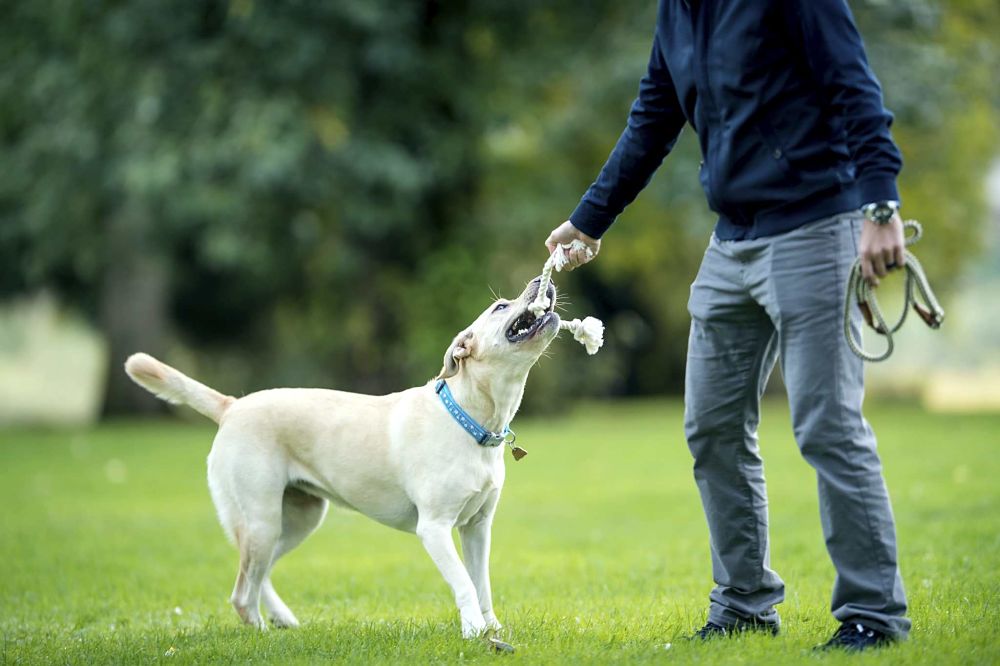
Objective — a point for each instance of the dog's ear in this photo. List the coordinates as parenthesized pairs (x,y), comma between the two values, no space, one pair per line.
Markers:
(461,347)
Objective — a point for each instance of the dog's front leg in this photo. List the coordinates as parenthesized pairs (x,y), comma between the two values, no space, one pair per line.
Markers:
(436,537)
(476,551)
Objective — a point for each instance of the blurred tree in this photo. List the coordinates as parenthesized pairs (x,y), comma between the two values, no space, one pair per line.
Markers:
(320,193)
(227,162)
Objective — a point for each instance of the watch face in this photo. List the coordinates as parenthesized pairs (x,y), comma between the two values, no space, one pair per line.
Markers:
(880,213)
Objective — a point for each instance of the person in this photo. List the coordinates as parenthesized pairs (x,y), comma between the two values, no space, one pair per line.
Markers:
(800,166)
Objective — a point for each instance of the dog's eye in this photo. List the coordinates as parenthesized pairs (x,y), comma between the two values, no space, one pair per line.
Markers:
(500,306)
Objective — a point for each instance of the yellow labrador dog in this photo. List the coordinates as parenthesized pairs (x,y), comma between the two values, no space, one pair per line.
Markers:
(405,459)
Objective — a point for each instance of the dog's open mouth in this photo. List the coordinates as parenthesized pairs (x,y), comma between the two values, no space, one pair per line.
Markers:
(527,325)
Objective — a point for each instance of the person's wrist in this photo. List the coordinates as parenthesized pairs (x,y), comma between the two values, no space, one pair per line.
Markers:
(582,235)
(880,213)
(590,220)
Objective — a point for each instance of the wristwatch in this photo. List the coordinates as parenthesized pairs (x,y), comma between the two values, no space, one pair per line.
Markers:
(880,212)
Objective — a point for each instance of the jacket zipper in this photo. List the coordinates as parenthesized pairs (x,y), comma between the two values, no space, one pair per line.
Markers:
(700,52)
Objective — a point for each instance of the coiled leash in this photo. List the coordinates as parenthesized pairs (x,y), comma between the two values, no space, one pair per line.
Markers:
(864,295)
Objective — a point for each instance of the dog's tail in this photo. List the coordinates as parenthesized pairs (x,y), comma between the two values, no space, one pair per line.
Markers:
(175,387)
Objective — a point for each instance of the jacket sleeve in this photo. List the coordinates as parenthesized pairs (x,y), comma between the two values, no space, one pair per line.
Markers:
(654,123)
(832,46)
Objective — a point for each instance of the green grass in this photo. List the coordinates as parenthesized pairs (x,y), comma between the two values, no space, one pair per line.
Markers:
(111,552)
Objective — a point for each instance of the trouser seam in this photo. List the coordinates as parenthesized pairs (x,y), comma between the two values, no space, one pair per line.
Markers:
(751,395)
(882,564)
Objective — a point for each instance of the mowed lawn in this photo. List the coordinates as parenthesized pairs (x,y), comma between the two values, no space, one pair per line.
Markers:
(111,551)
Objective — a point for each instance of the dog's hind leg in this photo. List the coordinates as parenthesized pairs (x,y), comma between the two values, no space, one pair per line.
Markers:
(301,514)
(281,615)
(257,544)
(249,498)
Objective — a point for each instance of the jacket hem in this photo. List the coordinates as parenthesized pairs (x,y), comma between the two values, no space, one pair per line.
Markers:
(788,216)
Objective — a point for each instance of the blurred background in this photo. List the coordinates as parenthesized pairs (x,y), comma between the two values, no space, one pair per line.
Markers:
(324,193)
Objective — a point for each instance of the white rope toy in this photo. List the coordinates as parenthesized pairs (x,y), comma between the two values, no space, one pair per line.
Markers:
(589,331)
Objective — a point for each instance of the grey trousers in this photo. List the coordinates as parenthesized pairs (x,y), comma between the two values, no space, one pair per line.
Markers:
(753,302)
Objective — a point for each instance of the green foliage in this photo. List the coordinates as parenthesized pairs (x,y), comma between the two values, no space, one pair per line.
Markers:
(600,552)
(334,187)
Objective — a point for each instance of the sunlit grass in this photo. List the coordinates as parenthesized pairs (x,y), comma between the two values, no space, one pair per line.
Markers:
(111,551)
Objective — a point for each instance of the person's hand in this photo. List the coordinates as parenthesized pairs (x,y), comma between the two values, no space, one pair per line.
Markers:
(565,234)
(881,249)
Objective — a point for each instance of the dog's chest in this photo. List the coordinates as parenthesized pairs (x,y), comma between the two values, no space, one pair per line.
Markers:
(473,505)
(488,483)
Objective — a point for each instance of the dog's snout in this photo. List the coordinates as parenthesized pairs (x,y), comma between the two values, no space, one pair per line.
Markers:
(531,292)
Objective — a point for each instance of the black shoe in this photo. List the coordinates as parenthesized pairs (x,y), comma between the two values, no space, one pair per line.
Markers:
(855,637)
(709,631)
(712,630)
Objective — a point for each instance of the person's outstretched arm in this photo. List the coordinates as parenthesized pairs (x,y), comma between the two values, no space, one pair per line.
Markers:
(654,123)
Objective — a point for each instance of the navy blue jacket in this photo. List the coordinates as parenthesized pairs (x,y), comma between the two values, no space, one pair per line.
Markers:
(788,114)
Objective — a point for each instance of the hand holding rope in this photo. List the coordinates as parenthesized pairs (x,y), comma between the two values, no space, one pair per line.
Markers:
(589,331)
(862,293)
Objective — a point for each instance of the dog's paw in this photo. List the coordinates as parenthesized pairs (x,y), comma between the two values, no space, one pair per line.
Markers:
(492,623)
(283,621)
(258,623)
(473,632)
(250,616)
(473,626)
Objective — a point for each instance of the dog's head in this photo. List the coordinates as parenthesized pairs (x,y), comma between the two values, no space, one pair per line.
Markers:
(506,337)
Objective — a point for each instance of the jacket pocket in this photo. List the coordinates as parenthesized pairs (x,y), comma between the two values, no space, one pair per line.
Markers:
(775,149)
(705,178)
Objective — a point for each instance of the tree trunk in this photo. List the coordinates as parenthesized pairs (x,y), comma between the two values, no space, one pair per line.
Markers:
(132,308)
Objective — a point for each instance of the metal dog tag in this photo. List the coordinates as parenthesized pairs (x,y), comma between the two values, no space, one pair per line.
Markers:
(509,438)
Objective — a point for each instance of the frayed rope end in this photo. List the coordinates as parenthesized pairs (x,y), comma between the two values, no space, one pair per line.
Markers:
(589,332)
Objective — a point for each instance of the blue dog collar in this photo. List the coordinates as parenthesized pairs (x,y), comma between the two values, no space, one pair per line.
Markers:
(482,436)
